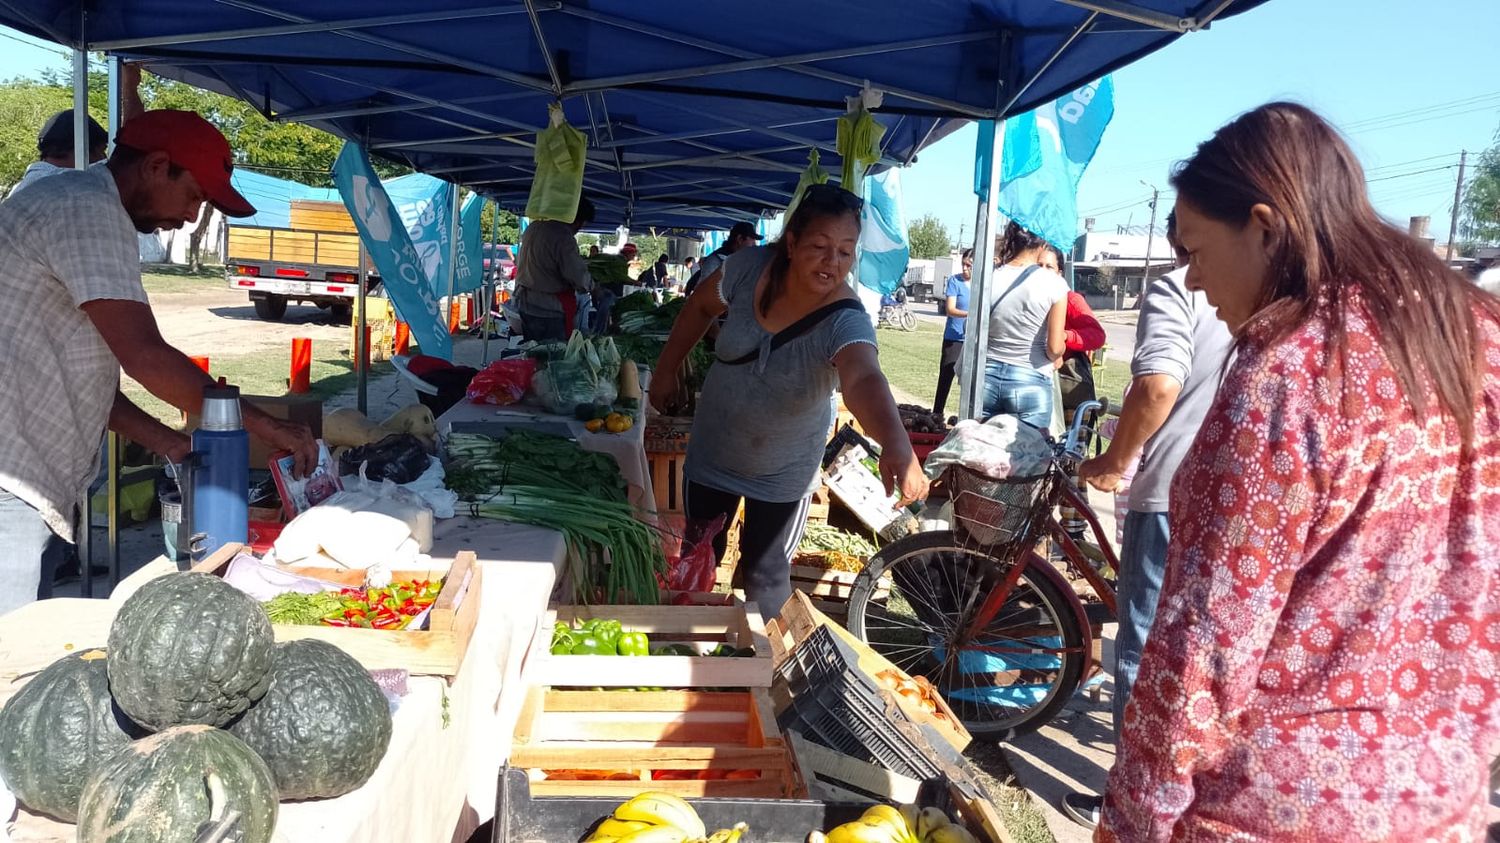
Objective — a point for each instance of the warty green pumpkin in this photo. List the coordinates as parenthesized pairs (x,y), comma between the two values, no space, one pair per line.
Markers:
(323,726)
(56,729)
(168,786)
(189,648)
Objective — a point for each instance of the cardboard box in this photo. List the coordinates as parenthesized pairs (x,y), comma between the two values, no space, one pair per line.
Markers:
(303,409)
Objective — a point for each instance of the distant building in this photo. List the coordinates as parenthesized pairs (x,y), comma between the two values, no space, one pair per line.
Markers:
(1103,261)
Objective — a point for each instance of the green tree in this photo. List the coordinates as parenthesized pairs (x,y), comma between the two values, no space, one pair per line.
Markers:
(25,104)
(1480,221)
(928,238)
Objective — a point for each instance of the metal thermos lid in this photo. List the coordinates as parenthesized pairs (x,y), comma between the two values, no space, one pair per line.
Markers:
(221,408)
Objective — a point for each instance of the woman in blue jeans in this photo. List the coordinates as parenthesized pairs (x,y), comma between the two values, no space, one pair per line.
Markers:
(1027,338)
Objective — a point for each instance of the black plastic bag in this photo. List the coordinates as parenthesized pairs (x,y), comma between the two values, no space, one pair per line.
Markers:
(400,458)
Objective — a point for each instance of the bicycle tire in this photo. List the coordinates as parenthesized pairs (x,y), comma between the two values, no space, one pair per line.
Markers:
(908,320)
(996,703)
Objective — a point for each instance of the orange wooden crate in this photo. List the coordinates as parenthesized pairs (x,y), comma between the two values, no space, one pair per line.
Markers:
(629,734)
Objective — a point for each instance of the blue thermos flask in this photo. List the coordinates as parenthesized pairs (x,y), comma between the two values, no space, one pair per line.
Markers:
(220,486)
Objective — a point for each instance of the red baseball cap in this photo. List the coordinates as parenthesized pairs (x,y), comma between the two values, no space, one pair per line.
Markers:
(193,144)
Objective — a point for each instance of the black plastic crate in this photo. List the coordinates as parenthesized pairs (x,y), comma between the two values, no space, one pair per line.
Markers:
(522,818)
(835,704)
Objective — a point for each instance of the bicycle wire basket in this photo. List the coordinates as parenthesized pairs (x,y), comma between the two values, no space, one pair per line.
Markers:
(998,515)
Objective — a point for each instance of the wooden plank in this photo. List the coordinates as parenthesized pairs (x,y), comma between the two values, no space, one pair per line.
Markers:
(762,788)
(252,244)
(623,755)
(627,701)
(317,215)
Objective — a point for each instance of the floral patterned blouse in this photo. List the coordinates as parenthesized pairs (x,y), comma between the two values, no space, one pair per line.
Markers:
(1323,665)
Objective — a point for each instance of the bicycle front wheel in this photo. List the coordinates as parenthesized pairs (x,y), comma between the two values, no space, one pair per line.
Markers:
(915,602)
(908,320)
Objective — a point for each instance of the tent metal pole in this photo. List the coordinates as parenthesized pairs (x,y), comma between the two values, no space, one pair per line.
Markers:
(491,279)
(1136,14)
(977,329)
(315,27)
(698,134)
(361,336)
(486,136)
(605,83)
(113,446)
(366,107)
(452,254)
(392,44)
(817,73)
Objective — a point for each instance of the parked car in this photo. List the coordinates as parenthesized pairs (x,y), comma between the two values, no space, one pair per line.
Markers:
(499,262)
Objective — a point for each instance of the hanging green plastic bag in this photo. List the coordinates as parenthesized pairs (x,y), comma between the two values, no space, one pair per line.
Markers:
(814,174)
(558,183)
(858,140)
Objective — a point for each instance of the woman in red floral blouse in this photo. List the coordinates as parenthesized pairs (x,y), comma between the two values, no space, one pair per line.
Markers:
(1323,666)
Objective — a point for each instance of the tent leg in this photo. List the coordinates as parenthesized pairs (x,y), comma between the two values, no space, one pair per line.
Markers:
(452,257)
(361,337)
(976,332)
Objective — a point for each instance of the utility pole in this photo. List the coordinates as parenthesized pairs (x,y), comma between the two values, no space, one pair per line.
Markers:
(1150,233)
(1458,192)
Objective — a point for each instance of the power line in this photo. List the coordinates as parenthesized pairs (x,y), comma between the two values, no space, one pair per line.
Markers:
(1412,173)
(1374,122)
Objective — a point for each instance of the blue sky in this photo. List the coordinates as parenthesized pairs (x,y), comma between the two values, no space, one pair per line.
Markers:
(1353,60)
(1431,69)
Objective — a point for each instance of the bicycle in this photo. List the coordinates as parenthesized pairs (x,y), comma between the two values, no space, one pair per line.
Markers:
(895,313)
(996,626)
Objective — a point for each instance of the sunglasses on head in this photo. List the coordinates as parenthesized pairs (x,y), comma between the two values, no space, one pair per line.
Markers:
(833,194)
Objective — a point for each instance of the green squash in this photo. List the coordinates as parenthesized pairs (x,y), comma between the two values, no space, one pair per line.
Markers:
(323,726)
(57,729)
(189,649)
(167,786)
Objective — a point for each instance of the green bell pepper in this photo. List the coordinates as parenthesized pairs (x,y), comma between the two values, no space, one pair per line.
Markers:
(633,644)
(608,631)
(723,651)
(675,650)
(562,641)
(592,645)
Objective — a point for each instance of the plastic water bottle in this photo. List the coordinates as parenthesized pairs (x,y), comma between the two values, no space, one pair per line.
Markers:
(221,478)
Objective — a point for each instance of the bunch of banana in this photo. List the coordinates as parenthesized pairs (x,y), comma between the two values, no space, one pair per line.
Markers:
(655,817)
(907,824)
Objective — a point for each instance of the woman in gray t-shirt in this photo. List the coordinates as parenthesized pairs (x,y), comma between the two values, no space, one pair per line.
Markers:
(766,408)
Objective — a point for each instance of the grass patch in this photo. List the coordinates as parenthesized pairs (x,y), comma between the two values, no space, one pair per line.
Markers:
(263,373)
(169,280)
(910,362)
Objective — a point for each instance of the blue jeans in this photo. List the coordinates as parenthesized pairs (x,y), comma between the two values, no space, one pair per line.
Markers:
(29,553)
(602,307)
(1018,391)
(1143,560)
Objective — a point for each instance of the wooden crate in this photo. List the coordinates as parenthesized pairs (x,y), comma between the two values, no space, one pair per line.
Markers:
(438,650)
(318,215)
(739,625)
(631,734)
(828,590)
(799,618)
(668,485)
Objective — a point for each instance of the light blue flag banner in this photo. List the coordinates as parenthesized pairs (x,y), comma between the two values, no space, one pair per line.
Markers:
(392,251)
(1046,152)
(424,205)
(470,240)
(884,249)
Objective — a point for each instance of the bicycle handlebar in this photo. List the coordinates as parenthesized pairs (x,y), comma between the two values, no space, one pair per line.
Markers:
(1070,444)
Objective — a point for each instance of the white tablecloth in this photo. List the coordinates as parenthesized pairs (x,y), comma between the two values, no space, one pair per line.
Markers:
(438,779)
(628,448)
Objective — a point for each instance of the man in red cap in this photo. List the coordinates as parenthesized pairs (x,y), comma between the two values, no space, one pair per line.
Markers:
(73,313)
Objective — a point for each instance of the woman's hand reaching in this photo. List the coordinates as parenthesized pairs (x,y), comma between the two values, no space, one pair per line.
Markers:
(902,472)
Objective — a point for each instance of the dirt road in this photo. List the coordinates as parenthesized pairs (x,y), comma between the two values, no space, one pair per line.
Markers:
(216,320)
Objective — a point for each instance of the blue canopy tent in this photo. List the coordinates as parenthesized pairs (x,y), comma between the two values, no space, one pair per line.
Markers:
(698,115)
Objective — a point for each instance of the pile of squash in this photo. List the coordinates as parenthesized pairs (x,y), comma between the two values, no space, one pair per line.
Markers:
(192,718)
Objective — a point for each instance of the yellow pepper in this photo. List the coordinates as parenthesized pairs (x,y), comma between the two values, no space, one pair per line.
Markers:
(618,423)
(594,425)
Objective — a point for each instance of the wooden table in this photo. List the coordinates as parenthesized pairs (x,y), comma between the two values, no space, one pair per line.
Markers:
(438,779)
